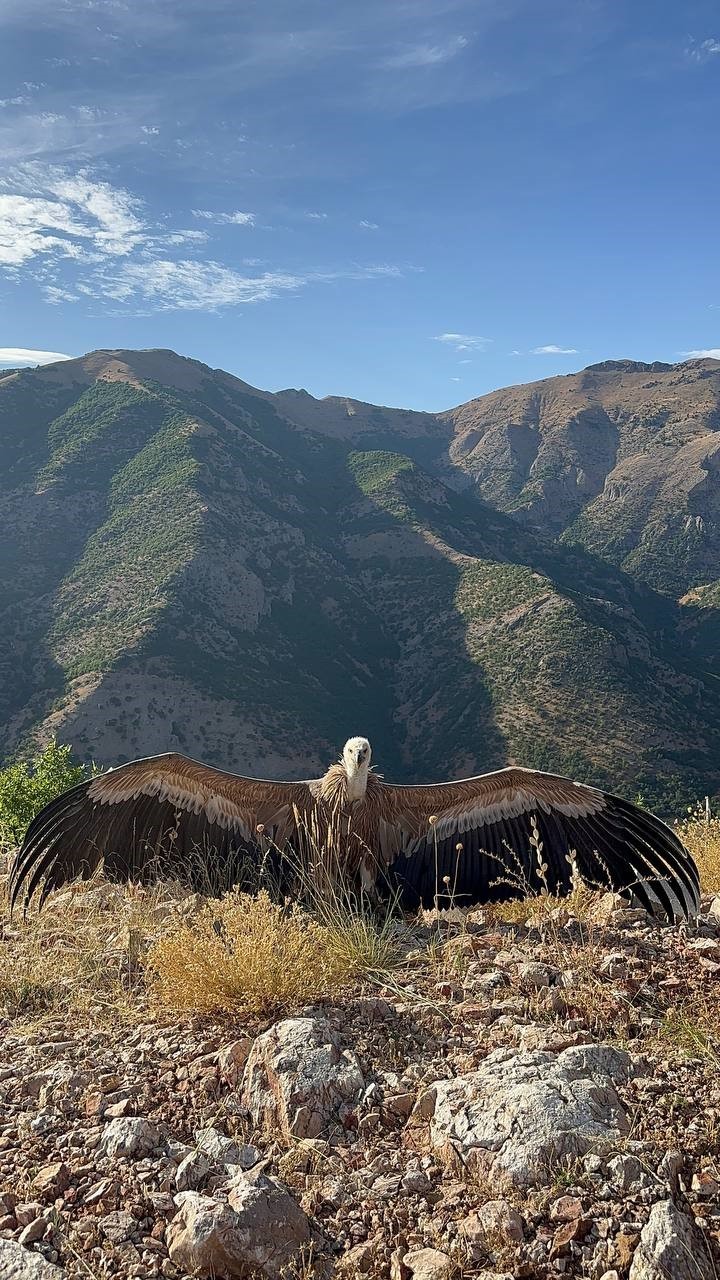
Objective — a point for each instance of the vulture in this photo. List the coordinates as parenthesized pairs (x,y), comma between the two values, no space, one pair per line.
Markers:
(509,833)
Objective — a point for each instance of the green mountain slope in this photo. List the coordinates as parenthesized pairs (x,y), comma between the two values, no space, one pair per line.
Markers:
(251,577)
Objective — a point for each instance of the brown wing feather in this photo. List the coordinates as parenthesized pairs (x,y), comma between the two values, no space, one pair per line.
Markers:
(493,817)
(161,810)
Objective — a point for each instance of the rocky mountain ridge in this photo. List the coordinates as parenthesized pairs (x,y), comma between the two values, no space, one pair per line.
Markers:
(244,575)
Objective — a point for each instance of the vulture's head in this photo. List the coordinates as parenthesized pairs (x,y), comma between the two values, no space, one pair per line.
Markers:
(356,756)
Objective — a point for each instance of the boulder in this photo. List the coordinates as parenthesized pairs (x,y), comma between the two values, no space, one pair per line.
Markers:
(298,1080)
(429,1264)
(17,1263)
(493,1222)
(671,1245)
(129,1136)
(258,1232)
(217,1147)
(520,1114)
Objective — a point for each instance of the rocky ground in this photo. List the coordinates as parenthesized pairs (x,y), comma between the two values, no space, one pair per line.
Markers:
(524,1097)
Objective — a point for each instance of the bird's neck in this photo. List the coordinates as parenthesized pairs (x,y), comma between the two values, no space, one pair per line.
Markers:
(356,782)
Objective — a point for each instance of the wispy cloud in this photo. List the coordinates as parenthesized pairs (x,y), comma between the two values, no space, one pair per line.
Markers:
(424,55)
(50,212)
(707,353)
(236,218)
(80,237)
(463,341)
(702,50)
(368,226)
(185,236)
(552,350)
(316,216)
(190,286)
(26,355)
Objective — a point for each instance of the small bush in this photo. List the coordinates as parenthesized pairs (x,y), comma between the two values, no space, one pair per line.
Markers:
(245,952)
(28,785)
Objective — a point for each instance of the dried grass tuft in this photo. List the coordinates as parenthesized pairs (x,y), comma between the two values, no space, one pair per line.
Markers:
(244,952)
(700,831)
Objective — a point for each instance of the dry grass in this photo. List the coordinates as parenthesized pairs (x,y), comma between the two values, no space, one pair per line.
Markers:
(243,952)
(83,954)
(702,837)
(247,952)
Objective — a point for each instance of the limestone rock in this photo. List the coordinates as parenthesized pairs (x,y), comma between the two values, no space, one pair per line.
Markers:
(192,1171)
(129,1136)
(518,1114)
(259,1231)
(671,1245)
(498,1220)
(232,1058)
(428,1264)
(52,1179)
(298,1080)
(17,1263)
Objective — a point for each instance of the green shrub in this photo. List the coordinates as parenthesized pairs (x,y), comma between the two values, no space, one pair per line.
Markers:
(26,786)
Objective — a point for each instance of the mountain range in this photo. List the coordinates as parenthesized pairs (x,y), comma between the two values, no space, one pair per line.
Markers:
(191,563)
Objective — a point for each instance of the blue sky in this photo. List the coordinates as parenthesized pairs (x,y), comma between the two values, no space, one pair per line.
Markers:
(407,201)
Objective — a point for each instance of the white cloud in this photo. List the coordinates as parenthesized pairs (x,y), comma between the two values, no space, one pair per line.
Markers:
(316,217)
(18,101)
(55,295)
(150,129)
(236,218)
(700,51)
(66,216)
(191,286)
(385,269)
(186,237)
(79,237)
(26,355)
(552,350)
(464,341)
(708,353)
(425,55)
(368,226)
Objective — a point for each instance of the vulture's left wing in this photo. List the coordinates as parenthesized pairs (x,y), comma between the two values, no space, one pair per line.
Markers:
(165,814)
(481,845)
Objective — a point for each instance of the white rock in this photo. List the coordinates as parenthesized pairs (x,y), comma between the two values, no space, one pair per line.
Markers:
(671,1245)
(232,1059)
(521,1113)
(494,1220)
(217,1146)
(534,975)
(298,1079)
(260,1230)
(129,1136)
(118,1226)
(428,1264)
(192,1171)
(624,1171)
(17,1263)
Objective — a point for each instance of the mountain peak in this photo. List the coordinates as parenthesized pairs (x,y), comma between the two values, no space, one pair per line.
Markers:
(628,366)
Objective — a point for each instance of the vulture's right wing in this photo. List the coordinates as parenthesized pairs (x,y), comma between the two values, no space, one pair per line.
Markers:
(481,843)
(165,813)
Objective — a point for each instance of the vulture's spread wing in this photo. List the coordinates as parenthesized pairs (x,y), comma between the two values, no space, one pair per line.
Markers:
(150,815)
(614,843)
